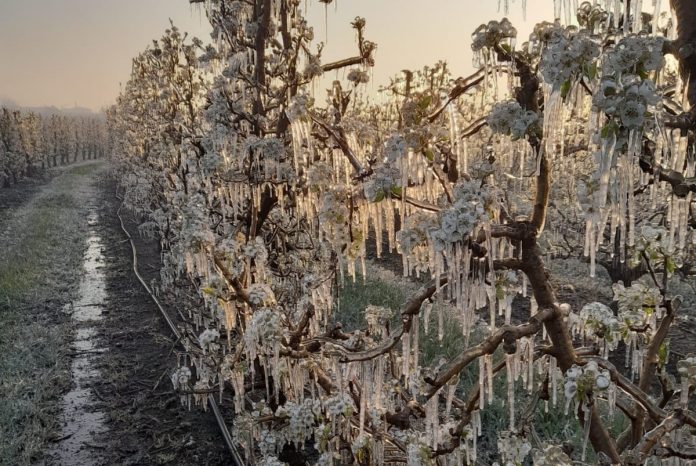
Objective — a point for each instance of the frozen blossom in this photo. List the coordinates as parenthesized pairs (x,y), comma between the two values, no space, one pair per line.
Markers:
(551,455)
(208,340)
(510,119)
(627,99)
(260,294)
(581,381)
(687,369)
(313,67)
(569,55)
(263,332)
(473,205)
(636,298)
(385,181)
(635,55)
(271,461)
(598,320)
(301,420)
(358,76)
(491,34)
(513,448)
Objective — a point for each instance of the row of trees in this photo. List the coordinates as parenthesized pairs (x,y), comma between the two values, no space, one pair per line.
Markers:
(575,142)
(30,142)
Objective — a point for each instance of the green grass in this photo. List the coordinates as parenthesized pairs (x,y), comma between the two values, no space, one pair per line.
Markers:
(39,268)
(551,425)
(86,169)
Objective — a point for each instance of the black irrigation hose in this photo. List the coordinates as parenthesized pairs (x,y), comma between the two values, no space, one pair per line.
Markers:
(236,457)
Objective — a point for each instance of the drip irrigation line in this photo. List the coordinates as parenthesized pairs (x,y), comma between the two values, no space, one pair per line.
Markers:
(236,457)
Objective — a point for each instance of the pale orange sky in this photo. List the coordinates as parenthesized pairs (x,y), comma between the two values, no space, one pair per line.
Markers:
(67,52)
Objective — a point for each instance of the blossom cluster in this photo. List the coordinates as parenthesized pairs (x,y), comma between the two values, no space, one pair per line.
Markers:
(551,455)
(358,76)
(413,239)
(301,419)
(583,380)
(627,99)
(264,332)
(659,247)
(687,369)
(470,208)
(208,340)
(592,16)
(491,34)
(569,56)
(635,54)
(513,448)
(636,302)
(599,320)
(510,119)
(382,183)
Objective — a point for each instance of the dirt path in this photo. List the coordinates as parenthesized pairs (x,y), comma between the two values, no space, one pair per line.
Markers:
(146,423)
(84,356)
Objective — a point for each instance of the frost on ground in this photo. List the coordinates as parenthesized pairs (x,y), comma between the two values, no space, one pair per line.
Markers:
(39,267)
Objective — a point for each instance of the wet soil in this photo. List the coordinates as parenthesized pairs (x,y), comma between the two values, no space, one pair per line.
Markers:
(146,424)
(81,419)
(121,408)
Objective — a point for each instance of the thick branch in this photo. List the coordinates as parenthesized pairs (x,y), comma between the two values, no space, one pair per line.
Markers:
(488,346)
(681,186)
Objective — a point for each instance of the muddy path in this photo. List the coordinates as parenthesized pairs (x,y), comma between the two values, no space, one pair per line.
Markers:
(145,422)
(85,357)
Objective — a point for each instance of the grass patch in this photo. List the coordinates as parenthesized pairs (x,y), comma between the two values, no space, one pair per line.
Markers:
(39,268)
(86,169)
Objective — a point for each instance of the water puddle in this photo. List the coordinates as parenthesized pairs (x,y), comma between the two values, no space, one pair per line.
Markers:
(81,419)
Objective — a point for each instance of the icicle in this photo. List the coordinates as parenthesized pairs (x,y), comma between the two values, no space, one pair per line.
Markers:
(509,365)
(440,323)
(379,382)
(451,390)
(427,308)
(415,344)
(432,421)
(406,355)
(554,380)
(482,381)
(489,377)
(586,433)
(366,378)
(684,395)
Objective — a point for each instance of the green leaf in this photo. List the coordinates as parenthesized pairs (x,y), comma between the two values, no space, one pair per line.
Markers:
(670,265)
(429,154)
(425,102)
(609,129)
(379,197)
(590,71)
(397,191)
(499,292)
(663,353)
(565,89)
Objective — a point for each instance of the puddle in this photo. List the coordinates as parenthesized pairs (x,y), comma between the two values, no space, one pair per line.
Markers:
(81,419)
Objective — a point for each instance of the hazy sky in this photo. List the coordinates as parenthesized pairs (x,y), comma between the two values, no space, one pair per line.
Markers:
(67,52)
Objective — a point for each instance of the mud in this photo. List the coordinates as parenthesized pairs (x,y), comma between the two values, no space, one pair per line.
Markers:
(81,419)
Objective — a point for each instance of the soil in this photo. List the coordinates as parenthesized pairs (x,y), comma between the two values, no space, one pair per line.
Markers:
(146,424)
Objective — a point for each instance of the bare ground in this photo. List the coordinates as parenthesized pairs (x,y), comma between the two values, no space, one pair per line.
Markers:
(80,390)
